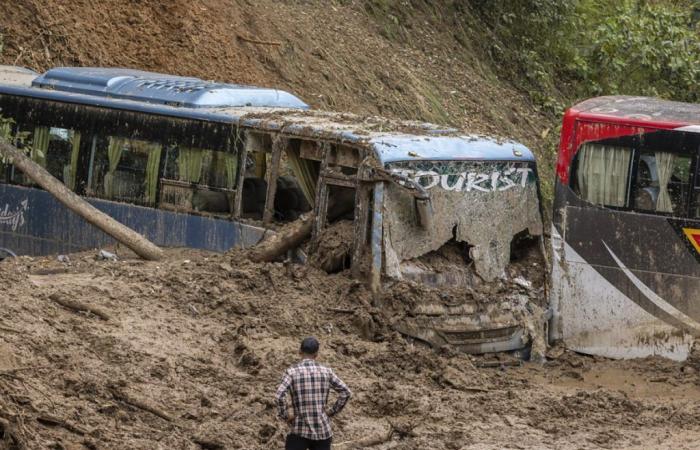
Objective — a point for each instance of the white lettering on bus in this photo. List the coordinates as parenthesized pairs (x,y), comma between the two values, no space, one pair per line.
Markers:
(469,181)
(14,218)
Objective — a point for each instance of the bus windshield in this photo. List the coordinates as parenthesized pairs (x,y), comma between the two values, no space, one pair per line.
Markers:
(481,204)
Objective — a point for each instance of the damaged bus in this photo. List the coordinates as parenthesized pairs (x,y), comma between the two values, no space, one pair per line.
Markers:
(626,228)
(191,163)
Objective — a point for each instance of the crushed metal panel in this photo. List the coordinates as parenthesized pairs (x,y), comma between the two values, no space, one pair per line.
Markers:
(481,203)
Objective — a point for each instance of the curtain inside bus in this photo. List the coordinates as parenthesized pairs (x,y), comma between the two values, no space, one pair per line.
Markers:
(305,172)
(40,145)
(664,167)
(603,174)
(114,154)
(75,151)
(261,160)
(230,164)
(5,132)
(189,164)
(152,167)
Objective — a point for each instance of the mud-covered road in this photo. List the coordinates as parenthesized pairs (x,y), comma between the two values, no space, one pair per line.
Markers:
(194,346)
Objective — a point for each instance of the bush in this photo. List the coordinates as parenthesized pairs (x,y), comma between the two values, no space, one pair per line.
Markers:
(564,50)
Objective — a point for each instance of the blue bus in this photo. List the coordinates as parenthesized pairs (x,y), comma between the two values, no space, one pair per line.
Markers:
(207,165)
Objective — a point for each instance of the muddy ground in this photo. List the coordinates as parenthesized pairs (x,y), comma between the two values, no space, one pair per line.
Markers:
(194,346)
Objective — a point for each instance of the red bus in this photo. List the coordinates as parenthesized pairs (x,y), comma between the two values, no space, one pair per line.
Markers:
(626,228)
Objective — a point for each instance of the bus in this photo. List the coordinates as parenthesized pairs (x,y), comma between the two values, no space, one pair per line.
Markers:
(207,165)
(626,228)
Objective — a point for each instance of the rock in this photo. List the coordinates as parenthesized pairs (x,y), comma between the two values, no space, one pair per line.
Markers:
(104,255)
(522,282)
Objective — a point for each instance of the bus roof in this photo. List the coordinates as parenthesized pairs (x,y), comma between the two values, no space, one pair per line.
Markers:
(639,111)
(259,108)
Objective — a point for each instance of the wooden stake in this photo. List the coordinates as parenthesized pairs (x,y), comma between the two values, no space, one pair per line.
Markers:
(79,307)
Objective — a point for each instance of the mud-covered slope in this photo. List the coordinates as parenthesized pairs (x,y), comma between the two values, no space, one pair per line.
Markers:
(339,55)
(195,345)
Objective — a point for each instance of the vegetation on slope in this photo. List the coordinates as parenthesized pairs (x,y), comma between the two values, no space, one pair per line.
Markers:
(582,48)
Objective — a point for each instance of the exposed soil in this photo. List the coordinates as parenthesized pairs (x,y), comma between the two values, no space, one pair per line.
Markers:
(338,55)
(195,345)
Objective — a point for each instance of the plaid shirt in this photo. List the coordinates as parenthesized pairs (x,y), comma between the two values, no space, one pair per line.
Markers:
(309,383)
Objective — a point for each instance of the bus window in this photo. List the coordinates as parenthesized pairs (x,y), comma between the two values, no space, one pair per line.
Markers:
(196,179)
(296,185)
(695,198)
(254,185)
(124,169)
(603,173)
(55,149)
(663,183)
(6,133)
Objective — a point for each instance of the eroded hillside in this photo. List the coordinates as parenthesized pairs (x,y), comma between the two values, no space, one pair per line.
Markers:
(340,55)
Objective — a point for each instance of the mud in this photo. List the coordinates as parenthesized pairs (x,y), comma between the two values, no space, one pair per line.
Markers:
(486,217)
(196,345)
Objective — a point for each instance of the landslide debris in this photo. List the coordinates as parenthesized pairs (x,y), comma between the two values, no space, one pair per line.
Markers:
(196,344)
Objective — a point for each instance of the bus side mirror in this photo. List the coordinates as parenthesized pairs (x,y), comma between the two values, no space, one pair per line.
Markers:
(424,212)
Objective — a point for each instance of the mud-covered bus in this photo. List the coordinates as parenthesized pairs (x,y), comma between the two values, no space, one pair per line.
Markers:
(192,163)
(626,228)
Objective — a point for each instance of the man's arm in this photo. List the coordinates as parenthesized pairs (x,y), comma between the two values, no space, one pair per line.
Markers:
(344,395)
(281,396)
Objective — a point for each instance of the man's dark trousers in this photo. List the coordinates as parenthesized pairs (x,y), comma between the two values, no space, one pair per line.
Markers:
(296,442)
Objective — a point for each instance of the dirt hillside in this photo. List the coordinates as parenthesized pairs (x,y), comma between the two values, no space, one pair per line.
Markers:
(194,347)
(186,353)
(339,55)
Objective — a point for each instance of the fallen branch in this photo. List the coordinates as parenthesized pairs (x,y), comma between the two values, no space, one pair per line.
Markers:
(288,237)
(56,422)
(342,310)
(474,389)
(136,242)
(79,307)
(256,41)
(140,404)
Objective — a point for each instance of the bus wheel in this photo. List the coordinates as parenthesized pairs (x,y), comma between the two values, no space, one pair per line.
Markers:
(6,253)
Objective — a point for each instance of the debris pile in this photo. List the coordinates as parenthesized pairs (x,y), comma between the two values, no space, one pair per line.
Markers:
(185,353)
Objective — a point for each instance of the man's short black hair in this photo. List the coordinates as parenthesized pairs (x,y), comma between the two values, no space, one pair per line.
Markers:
(309,346)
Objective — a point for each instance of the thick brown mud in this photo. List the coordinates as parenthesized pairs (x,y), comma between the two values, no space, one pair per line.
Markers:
(195,345)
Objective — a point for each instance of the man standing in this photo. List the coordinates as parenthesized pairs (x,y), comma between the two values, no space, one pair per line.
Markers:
(309,383)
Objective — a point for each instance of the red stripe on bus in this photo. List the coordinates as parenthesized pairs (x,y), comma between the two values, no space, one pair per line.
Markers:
(580,127)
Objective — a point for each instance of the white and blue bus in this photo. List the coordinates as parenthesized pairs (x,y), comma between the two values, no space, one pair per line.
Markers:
(192,163)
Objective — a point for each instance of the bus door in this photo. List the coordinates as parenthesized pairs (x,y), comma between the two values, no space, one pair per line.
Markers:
(627,246)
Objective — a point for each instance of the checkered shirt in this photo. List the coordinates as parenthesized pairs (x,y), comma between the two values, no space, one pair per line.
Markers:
(309,383)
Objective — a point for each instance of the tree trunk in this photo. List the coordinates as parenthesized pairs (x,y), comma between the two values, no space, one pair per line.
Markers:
(136,242)
(288,237)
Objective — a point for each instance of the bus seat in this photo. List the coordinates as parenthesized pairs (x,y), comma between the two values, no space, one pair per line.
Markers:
(211,201)
(646,198)
(290,201)
(254,192)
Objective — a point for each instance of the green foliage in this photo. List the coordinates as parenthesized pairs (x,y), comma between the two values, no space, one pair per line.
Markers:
(563,50)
